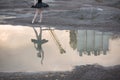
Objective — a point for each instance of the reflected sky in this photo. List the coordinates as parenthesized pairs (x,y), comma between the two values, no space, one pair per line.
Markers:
(63,49)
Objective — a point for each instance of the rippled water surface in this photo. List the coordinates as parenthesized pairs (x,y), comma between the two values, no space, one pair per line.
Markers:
(46,49)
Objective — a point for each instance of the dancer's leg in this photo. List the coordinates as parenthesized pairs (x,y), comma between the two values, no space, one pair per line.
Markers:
(35,1)
(40,12)
(35,16)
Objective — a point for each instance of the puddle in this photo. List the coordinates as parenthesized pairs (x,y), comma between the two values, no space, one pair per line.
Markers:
(28,49)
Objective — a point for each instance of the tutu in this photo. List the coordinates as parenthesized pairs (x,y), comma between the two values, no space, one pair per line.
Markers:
(40,5)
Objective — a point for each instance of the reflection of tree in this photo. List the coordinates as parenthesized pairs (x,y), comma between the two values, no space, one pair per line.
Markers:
(57,42)
(38,43)
(73,39)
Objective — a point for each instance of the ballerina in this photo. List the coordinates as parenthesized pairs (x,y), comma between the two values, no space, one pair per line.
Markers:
(38,5)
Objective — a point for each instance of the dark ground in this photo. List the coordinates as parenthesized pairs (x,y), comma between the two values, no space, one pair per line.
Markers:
(88,72)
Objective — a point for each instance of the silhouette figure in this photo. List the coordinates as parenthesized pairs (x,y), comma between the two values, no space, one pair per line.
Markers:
(38,42)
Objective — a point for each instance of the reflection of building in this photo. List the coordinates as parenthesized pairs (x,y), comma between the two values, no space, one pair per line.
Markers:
(92,42)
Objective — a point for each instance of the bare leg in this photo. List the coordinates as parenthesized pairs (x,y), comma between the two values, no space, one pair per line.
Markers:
(40,12)
(35,16)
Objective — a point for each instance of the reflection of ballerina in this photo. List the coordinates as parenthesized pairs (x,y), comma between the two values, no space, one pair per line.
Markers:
(38,5)
(38,44)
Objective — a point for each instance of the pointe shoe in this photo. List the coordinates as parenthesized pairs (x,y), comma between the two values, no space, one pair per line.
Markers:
(32,22)
(40,21)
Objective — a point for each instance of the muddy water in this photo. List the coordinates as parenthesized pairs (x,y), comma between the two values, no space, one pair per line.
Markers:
(60,50)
